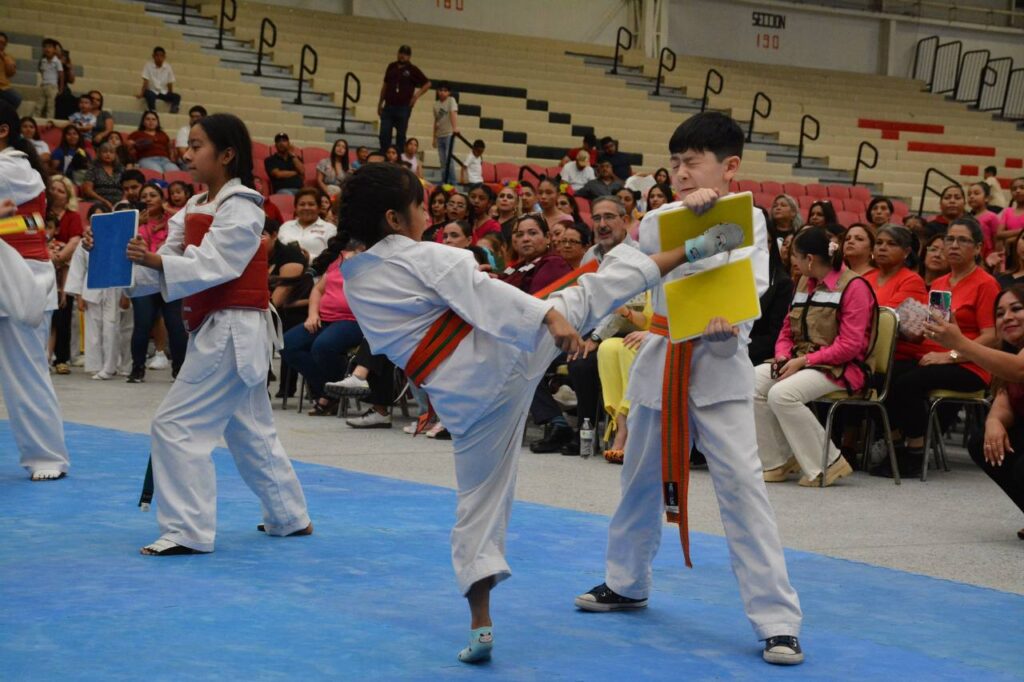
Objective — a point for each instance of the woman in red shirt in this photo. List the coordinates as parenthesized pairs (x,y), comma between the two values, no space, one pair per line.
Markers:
(66,233)
(896,279)
(150,145)
(482,197)
(974,294)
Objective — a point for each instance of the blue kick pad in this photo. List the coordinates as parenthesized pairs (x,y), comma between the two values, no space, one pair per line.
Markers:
(371,594)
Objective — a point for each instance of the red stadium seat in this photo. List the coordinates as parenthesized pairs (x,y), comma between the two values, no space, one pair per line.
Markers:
(179,176)
(487,170)
(855,206)
(310,179)
(735,186)
(539,170)
(839,191)
(315,154)
(749,186)
(794,189)
(506,171)
(805,201)
(83,210)
(261,151)
(764,200)
(151,174)
(285,203)
(862,193)
(847,218)
(817,190)
(51,137)
(900,207)
(553,171)
(773,188)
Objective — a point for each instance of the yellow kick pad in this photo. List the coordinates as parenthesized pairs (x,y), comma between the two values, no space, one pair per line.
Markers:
(680,224)
(18,224)
(729,291)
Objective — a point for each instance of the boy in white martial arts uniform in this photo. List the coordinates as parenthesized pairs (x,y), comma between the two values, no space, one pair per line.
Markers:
(215,260)
(415,301)
(706,151)
(28,293)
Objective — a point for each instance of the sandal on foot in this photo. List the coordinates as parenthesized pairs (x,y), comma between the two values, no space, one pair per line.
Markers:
(47,475)
(481,641)
(328,409)
(164,547)
(614,456)
(308,530)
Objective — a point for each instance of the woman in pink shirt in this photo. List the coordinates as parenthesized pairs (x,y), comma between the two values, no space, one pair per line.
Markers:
(319,348)
(1011,220)
(821,349)
(977,200)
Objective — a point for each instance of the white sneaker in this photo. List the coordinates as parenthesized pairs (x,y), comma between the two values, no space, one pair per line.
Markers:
(351,386)
(158,362)
(79,361)
(371,419)
(410,428)
(102,376)
(565,396)
(432,432)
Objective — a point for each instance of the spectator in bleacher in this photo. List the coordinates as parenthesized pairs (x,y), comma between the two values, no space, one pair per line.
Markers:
(83,119)
(403,85)
(178,194)
(102,183)
(1013,272)
(158,82)
(51,75)
(917,225)
(974,294)
(578,172)
(473,166)
(605,184)
(952,206)
(70,157)
(662,177)
(457,207)
(547,196)
(284,167)
(996,196)
(481,199)
(658,196)
(327,211)
(333,169)
(858,244)
(150,145)
(308,229)
(567,204)
(589,145)
(8,67)
(1011,218)
(317,348)
(391,155)
(822,214)
(362,154)
(786,218)
(933,259)
(879,211)
(457,234)
(124,155)
(30,131)
(181,138)
(132,181)
(411,156)
(573,244)
(977,203)
(821,349)
(64,231)
(287,263)
(66,103)
(619,161)
(629,200)
(509,208)
(104,119)
(437,216)
(774,307)
(528,197)
(896,279)
(446,125)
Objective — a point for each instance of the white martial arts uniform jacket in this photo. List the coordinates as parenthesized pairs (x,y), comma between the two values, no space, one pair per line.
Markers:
(719,376)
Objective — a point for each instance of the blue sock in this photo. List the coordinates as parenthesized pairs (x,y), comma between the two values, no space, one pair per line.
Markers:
(481,640)
(559,422)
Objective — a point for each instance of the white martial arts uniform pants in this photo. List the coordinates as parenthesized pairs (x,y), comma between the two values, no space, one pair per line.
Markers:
(186,428)
(785,424)
(32,406)
(103,332)
(724,432)
(487,454)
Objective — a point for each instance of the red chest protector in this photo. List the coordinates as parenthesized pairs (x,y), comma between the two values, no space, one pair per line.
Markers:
(31,245)
(248,291)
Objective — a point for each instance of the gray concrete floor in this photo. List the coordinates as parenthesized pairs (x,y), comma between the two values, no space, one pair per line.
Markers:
(957,525)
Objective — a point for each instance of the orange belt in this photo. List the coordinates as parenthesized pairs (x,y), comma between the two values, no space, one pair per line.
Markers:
(675,431)
(449,329)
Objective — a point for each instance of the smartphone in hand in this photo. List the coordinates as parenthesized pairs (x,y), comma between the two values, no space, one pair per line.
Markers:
(942,303)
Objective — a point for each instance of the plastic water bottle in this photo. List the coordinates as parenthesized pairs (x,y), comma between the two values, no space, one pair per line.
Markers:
(586,439)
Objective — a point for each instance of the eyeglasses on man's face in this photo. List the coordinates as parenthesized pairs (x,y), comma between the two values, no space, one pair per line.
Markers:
(568,242)
(963,241)
(599,218)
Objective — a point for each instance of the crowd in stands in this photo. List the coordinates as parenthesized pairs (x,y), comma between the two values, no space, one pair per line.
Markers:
(828,274)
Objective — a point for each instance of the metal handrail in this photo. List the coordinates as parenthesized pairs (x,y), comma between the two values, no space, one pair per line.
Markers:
(933,43)
(265,43)
(956,65)
(523,170)
(451,153)
(712,90)
(990,68)
(755,112)
(628,45)
(805,136)
(960,71)
(665,51)
(224,15)
(983,81)
(346,97)
(184,6)
(860,159)
(303,69)
(926,188)
(1015,75)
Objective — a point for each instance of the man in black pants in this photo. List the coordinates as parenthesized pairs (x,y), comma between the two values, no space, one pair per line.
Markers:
(381,378)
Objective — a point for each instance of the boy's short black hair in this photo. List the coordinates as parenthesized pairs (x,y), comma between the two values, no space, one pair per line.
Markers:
(442,85)
(405,49)
(709,131)
(991,169)
(198,109)
(3,35)
(479,144)
(159,49)
(133,174)
(49,41)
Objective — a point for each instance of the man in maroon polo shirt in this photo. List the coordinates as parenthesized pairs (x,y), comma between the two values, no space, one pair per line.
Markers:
(403,84)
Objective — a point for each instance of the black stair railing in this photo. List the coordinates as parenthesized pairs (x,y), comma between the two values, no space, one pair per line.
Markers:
(970,74)
(184,6)
(927,189)
(224,14)
(804,136)
(711,89)
(265,42)
(860,159)
(347,97)
(924,60)
(523,170)
(992,92)
(304,69)
(663,67)
(945,67)
(756,111)
(453,157)
(621,45)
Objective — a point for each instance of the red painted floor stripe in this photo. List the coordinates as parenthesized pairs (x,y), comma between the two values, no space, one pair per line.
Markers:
(938,148)
(969,170)
(1015,163)
(901,125)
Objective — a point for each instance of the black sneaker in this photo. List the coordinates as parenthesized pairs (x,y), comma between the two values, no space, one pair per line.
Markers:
(783,650)
(553,440)
(137,376)
(572,448)
(603,598)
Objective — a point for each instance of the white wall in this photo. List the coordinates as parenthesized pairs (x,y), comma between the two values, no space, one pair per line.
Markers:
(906,35)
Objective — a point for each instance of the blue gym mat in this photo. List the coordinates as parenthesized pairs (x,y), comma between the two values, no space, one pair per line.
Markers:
(371,594)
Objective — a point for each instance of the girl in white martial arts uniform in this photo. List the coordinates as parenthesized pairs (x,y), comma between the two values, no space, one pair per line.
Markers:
(706,151)
(411,299)
(28,293)
(214,259)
